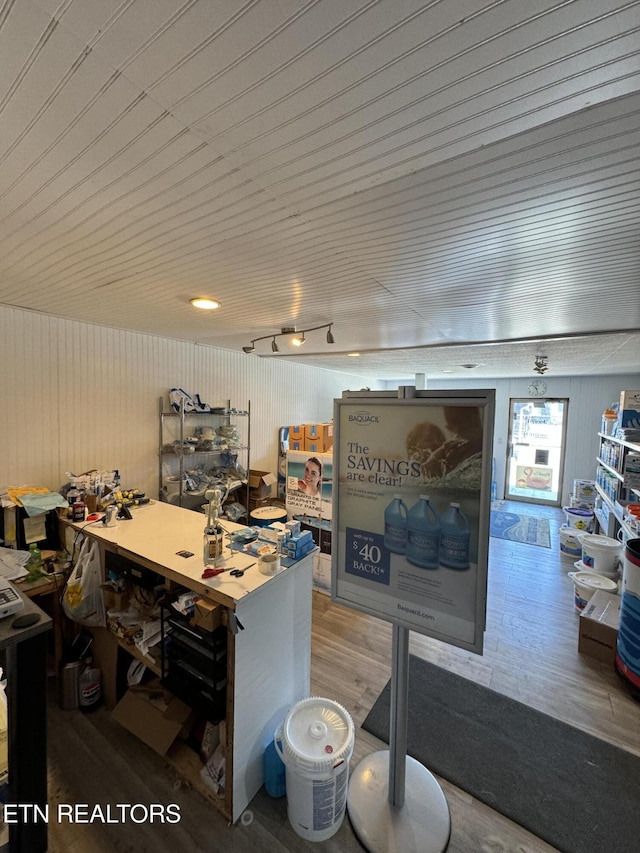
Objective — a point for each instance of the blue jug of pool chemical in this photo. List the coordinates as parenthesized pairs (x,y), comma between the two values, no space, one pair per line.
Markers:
(275,783)
(454,542)
(395,525)
(423,535)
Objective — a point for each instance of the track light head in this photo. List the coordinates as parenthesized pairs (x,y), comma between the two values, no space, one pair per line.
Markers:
(330,338)
(248,349)
(298,340)
(274,345)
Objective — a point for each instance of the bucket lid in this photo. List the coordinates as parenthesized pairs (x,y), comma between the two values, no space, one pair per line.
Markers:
(575,510)
(317,734)
(597,541)
(593,581)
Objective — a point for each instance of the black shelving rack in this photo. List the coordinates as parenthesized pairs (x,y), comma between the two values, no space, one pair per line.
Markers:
(194,662)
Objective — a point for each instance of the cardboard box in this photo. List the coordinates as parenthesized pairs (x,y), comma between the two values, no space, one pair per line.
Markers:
(319,443)
(584,491)
(321,434)
(153,715)
(631,470)
(296,433)
(207,615)
(105,654)
(598,631)
(113,599)
(630,400)
(260,483)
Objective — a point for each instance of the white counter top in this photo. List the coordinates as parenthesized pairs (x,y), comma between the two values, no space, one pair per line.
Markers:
(159,530)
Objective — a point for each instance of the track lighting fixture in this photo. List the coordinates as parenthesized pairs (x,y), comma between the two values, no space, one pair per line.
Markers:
(298,339)
(540,364)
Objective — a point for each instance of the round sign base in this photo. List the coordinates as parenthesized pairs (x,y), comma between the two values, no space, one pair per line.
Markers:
(422,825)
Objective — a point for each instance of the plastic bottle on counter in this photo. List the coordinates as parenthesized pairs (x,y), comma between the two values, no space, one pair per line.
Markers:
(78,509)
(72,494)
(423,535)
(454,544)
(34,563)
(395,526)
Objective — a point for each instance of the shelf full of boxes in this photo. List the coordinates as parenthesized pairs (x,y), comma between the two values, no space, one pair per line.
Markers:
(617,481)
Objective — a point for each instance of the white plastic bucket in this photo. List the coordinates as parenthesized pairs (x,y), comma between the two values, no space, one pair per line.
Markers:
(600,554)
(569,543)
(315,742)
(586,583)
(579,518)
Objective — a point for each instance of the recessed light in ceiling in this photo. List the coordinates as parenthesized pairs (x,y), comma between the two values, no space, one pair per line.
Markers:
(205,303)
(353,354)
(469,366)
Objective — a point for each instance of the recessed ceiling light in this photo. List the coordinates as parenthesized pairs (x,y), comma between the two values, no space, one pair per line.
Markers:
(469,366)
(353,354)
(205,303)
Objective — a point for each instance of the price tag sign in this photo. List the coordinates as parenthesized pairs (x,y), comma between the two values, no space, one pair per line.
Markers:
(366,556)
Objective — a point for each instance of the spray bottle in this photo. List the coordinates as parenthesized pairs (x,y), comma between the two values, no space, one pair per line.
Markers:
(213,532)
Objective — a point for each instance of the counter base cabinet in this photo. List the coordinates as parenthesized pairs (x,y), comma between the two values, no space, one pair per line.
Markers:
(272,672)
(249,669)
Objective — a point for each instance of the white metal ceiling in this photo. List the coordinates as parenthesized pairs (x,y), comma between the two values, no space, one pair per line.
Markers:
(425,175)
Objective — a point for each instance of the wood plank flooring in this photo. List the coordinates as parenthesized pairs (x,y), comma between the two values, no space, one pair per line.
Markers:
(530,654)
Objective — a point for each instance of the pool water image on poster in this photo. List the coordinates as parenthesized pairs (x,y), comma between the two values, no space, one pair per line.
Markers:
(412,543)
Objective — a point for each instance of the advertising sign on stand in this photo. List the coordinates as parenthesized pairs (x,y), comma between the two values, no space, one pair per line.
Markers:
(412,486)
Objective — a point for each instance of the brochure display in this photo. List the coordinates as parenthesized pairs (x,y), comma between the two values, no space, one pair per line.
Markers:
(411,505)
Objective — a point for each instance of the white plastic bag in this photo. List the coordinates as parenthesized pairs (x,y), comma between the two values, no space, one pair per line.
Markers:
(82,598)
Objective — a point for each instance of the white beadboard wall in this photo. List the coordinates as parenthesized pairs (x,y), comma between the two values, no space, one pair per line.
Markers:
(79,396)
(588,397)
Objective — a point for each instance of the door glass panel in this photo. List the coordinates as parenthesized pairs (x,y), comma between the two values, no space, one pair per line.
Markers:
(535,461)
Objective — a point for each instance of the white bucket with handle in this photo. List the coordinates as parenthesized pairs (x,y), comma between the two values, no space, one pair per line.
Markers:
(585,584)
(600,554)
(315,743)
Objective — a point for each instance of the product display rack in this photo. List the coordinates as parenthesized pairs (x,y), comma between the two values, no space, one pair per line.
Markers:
(610,486)
(191,462)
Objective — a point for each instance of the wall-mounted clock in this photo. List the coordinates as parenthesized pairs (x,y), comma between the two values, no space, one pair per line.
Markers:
(537,388)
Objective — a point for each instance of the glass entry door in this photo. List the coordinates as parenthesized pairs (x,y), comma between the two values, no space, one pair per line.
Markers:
(535,460)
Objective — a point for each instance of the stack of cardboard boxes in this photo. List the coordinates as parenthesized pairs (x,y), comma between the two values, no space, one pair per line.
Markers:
(311,438)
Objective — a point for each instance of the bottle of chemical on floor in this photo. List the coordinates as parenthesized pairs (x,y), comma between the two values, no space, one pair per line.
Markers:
(454,542)
(395,526)
(89,687)
(423,535)
(275,783)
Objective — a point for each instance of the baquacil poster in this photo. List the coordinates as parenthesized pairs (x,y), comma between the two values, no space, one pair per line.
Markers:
(411,512)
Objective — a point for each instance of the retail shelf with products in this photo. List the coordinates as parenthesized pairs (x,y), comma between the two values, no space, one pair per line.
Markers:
(613,494)
(199,451)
